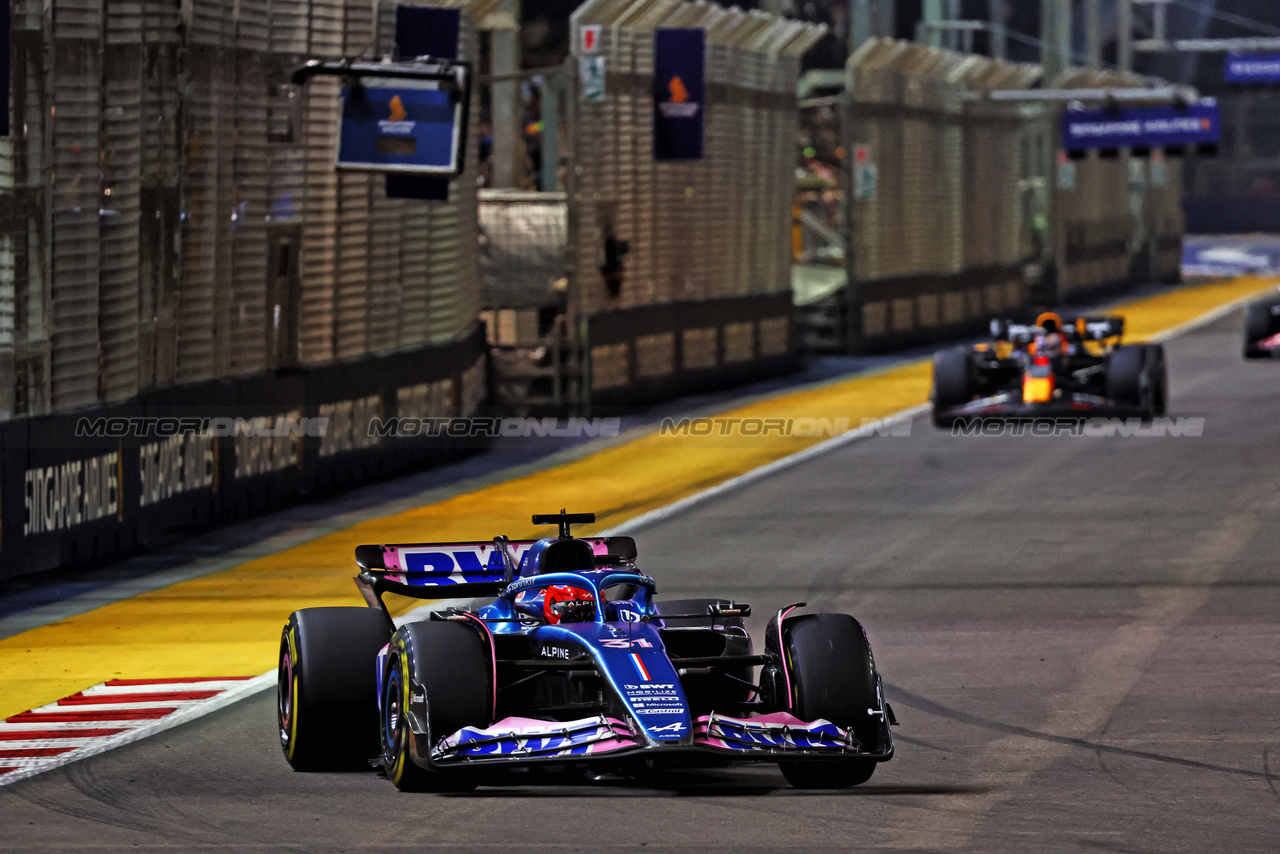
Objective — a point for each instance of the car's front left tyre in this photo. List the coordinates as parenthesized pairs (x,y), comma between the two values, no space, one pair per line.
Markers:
(832,677)
(327,687)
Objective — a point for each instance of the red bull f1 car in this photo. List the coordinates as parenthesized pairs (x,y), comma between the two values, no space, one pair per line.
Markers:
(1050,370)
(1262,328)
(575,664)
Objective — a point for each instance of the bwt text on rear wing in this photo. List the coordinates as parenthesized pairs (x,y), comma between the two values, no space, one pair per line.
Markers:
(460,570)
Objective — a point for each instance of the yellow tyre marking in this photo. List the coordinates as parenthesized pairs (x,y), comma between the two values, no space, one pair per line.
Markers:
(402,724)
(293,690)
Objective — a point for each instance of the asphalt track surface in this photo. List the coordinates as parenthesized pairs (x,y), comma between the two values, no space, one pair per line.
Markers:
(1079,636)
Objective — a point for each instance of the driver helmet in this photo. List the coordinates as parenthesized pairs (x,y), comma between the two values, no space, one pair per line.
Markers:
(564,603)
(1051,341)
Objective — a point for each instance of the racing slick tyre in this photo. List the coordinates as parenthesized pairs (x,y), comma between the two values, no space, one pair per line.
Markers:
(1257,325)
(1136,377)
(952,385)
(1159,378)
(449,663)
(327,687)
(833,677)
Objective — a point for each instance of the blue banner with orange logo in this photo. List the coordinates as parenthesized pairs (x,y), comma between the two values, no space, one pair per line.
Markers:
(678,92)
(399,125)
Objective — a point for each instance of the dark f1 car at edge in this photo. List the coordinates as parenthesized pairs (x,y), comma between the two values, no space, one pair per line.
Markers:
(1262,328)
(1050,370)
(576,663)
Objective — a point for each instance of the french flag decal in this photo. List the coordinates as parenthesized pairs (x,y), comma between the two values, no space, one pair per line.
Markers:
(640,668)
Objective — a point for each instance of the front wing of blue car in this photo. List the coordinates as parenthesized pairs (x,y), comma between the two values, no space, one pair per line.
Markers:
(771,737)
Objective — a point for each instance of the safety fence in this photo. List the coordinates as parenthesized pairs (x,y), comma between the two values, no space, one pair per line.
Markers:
(173,215)
(104,481)
(937,232)
(523,252)
(175,241)
(1238,192)
(954,207)
(1118,219)
(524,279)
(669,242)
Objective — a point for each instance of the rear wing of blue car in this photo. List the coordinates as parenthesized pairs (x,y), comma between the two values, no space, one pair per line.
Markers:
(459,570)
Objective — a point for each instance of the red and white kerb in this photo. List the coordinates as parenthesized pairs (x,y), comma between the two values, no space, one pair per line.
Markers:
(108,715)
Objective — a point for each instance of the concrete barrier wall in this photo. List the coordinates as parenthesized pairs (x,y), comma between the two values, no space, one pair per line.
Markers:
(102,482)
(637,356)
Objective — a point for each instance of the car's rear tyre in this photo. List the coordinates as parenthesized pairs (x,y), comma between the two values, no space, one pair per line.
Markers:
(1136,377)
(449,663)
(833,677)
(952,384)
(327,687)
(1259,323)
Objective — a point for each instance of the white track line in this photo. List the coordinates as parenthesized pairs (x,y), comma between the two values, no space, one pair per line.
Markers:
(190,710)
(867,431)
(863,432)
(1209,317)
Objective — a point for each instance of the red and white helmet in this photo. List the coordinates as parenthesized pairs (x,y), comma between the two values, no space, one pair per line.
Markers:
(564,603)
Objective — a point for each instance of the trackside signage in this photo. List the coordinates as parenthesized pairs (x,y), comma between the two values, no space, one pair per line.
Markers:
(71,493)
(425,31)
(678,93)
(1141,127)
(1252,68)
(176,465)
(400,126)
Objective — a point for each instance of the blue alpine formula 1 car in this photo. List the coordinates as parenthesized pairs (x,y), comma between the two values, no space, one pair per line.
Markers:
(575,663)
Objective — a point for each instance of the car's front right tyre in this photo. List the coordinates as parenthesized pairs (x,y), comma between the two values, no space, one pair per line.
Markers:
(952,384)
(1259,323)
(438,675)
